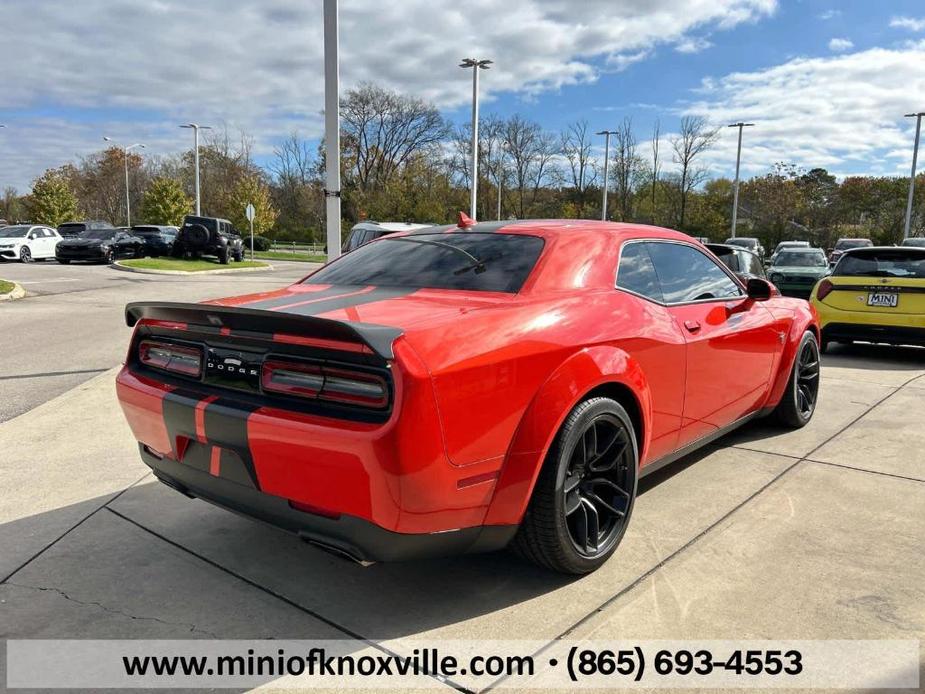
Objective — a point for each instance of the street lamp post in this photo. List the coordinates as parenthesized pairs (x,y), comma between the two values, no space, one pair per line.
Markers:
(476,65)
(915,156)
(332,129)
(606,134)
(196,128)
(128,202)
(735,187)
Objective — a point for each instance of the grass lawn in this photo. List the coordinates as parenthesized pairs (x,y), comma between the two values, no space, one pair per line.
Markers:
(286,255)
(5,287)
(187,265)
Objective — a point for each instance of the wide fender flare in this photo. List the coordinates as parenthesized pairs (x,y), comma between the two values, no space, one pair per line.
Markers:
(567,386)
(804,318)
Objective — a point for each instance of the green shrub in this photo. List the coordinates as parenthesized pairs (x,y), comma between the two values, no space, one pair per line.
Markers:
(261,243)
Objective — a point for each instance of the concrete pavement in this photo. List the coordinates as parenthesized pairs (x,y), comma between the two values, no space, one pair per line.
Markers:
(809,534)
(70,326)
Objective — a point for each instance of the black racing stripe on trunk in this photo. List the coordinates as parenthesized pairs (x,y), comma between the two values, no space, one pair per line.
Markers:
(226,426)
(335,304)
(233,468)
(269,304)
(179,410)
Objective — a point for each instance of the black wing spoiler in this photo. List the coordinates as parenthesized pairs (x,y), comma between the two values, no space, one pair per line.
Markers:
(378,338)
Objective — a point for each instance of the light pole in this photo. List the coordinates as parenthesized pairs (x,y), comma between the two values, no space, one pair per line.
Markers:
(331,129)
(476,65)
(128,202)
(735,187)
(915,156)
(196,128)
(606,134)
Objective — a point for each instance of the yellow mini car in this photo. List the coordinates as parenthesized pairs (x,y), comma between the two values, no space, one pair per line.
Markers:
(874,295)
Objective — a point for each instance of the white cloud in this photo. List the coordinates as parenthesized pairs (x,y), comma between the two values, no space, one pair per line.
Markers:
(839,45)
(910,23)
(829,14)
(258,65)
(844,112)
(692,44)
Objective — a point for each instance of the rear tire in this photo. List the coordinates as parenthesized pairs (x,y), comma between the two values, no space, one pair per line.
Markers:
(223,256)
(584,495)
(799,400)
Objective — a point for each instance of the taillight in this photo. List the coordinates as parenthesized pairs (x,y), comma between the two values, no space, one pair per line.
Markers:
(824,289)
(304,380)
(169,357)
(322,382)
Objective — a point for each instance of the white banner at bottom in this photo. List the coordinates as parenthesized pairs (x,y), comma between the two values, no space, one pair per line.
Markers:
(128,664)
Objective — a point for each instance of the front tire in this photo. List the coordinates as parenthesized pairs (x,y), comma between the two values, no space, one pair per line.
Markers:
(798,403)
(584,495)
(25,254)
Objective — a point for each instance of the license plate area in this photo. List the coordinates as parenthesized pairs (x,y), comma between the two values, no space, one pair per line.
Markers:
(883,299)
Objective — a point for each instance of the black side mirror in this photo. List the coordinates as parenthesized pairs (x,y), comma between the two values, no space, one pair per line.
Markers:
(759,289)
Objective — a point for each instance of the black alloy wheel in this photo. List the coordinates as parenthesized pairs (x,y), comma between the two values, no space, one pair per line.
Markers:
(583,498)
(595,496)
(799,401)
(807,388)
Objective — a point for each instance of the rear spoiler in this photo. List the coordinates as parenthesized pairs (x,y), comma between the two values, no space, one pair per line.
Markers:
(378,338)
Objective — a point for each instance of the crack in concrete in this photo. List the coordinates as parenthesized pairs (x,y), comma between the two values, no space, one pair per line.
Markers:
(112,610)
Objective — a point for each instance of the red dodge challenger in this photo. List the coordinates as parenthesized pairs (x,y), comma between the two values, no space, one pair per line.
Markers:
(464,388)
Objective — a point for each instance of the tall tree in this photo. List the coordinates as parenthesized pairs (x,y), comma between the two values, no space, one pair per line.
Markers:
(383,129)
(52,201)
(576,147)
(165,202)
(626,167)
(656,165)
(521,140)
(251,189)
(693,139)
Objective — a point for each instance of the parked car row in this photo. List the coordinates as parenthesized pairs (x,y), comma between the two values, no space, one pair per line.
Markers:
(102,242)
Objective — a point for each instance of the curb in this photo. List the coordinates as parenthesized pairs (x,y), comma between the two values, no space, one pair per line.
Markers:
(17,293)
(188,273)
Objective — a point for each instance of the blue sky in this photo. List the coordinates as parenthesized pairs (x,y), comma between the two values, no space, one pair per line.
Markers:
(827,82)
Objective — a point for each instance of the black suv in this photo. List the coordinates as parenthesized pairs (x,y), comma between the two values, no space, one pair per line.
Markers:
(70,230)
(201,236)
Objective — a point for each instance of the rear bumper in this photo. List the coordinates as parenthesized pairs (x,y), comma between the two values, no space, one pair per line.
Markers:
(889,334)
(353,537)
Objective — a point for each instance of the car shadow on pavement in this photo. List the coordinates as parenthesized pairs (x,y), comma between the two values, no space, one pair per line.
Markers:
(875,357)
(108,559)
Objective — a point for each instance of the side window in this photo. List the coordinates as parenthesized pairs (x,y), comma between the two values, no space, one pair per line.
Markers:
(636,273)
(685,274)
(754,266)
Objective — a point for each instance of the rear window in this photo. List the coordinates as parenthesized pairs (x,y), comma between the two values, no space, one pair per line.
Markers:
(471,261)
(207,222)
(72,228)
(845,244)
(800,259)
(890,262)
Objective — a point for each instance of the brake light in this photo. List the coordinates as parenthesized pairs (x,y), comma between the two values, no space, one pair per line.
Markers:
(317,381)
(304,380)
(169,357)
(824,289)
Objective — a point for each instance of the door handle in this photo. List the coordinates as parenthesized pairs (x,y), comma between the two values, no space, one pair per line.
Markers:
(692,326)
